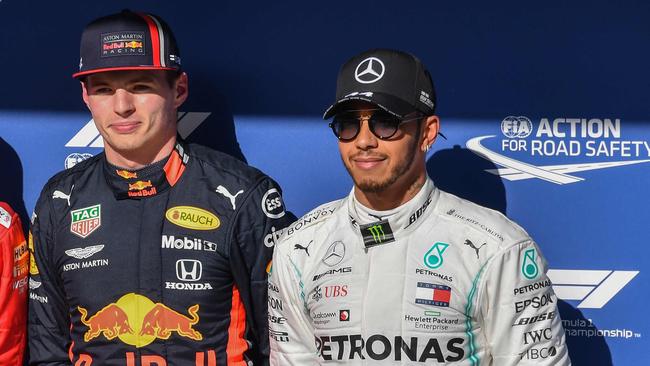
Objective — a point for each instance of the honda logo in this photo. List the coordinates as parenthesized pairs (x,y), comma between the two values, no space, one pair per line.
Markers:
(188,269)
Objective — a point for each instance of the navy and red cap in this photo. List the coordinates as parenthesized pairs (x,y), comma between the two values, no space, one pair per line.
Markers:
(395,81)
(127,41)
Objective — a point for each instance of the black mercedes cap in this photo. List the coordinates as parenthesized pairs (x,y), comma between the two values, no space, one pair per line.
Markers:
(395,81)
(127,41)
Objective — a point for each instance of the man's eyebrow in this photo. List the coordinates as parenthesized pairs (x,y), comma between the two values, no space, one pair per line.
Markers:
(141,79)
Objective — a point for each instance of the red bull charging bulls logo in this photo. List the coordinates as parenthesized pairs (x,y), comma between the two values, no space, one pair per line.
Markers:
(138,321)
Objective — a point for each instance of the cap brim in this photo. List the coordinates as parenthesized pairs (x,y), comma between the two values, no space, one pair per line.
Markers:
(389,103)
(95,71)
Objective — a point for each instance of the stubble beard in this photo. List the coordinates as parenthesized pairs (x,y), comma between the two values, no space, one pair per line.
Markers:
(377,186)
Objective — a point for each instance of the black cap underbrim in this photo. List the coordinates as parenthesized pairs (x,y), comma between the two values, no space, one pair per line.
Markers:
(387,102)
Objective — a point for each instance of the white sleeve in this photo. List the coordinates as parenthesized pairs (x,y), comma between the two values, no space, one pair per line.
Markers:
(519,309)
(290,331)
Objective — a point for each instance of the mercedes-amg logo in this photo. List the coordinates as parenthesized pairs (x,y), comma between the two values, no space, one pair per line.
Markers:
(369,70)
(334,254)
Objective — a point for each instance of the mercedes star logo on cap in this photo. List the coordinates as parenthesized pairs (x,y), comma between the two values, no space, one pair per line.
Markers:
(369,70)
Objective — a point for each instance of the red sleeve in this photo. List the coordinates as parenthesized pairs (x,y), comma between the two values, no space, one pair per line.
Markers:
(14,267)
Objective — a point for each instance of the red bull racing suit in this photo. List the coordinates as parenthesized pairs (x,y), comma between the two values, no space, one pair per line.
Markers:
(438,280)
(165,265)
(14,266)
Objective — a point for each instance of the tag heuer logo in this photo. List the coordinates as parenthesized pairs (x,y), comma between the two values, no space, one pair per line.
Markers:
(85,220)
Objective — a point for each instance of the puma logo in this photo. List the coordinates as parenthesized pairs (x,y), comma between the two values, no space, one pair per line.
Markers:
(306,249)
(63,196)
(224,191)
(469,242)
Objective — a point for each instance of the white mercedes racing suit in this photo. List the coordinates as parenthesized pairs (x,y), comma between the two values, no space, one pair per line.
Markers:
(438,280)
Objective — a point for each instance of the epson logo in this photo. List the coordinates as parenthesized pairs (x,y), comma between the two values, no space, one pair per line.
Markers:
(185,243)
(536,302)
(378,347)
(333,271)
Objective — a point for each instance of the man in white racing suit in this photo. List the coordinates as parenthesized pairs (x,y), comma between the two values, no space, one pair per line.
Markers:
(400,272)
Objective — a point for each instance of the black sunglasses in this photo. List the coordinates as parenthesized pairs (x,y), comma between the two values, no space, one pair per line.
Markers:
(346,125)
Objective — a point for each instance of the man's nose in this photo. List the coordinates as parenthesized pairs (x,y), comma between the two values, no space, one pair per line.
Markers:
(365,139)
(123,104)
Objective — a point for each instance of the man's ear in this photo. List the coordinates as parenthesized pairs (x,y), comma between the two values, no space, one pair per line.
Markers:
(430,129)
(84,92)
(181,90)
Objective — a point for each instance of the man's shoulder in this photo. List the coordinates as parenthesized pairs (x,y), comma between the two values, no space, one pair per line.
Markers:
(307,226)
(487,222)
(218,165)
(68,177)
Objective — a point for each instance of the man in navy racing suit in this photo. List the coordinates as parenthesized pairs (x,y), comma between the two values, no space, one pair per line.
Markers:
(400,272)
(153,252)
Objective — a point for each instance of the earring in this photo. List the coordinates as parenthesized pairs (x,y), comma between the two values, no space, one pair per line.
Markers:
(426,148)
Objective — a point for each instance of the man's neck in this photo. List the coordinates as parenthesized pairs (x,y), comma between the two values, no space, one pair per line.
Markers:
(134,160)
(392,197)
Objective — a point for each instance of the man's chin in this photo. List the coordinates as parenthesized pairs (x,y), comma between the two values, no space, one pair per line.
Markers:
(371,185)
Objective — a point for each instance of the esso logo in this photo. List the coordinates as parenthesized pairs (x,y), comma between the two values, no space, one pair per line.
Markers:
(520,127)
(272,205)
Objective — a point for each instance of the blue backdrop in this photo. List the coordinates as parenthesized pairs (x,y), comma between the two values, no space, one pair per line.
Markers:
(545,107)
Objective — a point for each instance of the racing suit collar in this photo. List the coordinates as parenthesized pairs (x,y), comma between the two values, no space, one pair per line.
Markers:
(383,227)
(150,180)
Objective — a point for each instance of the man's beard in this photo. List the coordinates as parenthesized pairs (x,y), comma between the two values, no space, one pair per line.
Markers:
(375,186)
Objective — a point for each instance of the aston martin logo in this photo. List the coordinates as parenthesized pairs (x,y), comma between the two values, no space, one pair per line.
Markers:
(83,253)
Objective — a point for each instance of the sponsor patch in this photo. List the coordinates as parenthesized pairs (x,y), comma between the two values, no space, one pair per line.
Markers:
(344,315)
(83,253)
(192,218)
(33,269)
(137,321)
(529,267)
(433,257)
(432,294)
(85,221)
(377,233)
(272,204)
(126,174)
(5,218)
(126,43)
(335,254)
